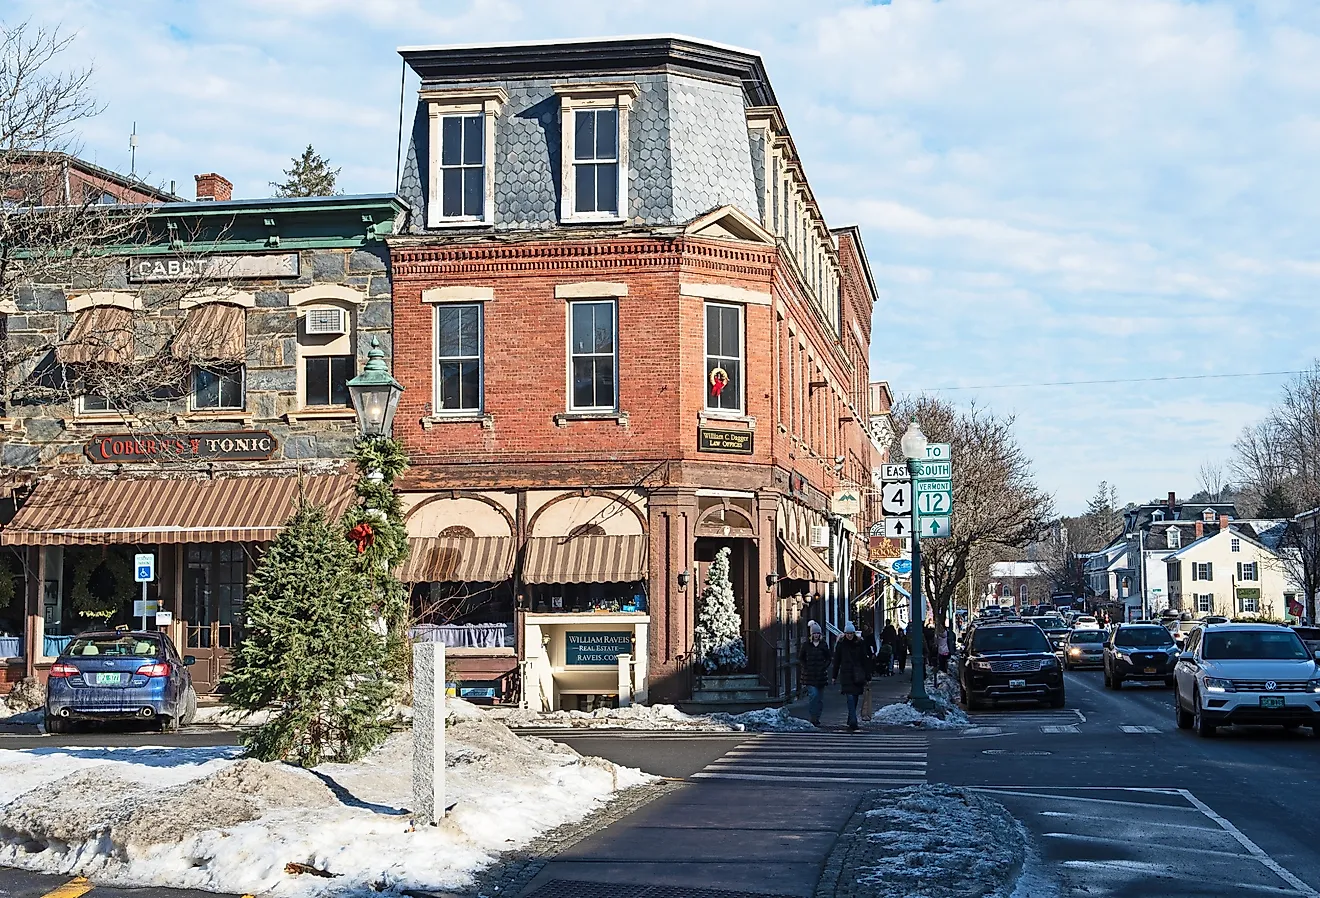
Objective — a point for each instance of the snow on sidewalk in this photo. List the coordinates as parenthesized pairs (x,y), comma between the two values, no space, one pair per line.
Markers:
(653,717)
(207,819)
(946,716)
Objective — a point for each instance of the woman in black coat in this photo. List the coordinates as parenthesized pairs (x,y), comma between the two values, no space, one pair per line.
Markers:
(852,670)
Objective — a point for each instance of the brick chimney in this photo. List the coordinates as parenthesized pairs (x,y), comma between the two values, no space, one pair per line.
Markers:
(211,186)
(1223,523)
(1173,501)
(1200,529)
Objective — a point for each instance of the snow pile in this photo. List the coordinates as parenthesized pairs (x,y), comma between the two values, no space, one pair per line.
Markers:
(207,819)
(652,717)
(946,716)
(938,842)
(27,696)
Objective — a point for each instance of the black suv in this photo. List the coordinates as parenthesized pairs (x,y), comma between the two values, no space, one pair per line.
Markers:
(1009,660)
(1055,630)
(1139,652)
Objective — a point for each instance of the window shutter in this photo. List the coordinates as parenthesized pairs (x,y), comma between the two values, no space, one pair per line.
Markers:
(1209,570)
(1239,564)
(1196,570)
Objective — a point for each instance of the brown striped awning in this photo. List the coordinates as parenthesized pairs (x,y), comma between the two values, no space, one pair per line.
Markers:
(441,559)
(585,559)
(158,510)
(214,332)
(99,334)
(801,563)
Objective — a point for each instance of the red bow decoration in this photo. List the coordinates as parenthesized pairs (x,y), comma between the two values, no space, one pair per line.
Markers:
(363,535)
(718,380)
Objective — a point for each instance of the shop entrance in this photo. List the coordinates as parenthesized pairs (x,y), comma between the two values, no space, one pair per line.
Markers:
(742,557)
(214,585)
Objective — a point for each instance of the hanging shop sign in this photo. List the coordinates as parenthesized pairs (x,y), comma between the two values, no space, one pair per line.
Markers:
(596,649)
(226,445)
(736,442)
(217,267)
(884,548)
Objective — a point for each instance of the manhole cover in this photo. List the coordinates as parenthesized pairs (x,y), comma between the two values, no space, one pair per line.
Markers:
(1010,751)
(563,888)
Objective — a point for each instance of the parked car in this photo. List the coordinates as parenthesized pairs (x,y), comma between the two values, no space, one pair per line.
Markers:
(1139,652)
(1310,637)
(1086,622)
(1009,660)
(1085,648)
(1179,630)
(1246,674)
(120,675)
(1054,628)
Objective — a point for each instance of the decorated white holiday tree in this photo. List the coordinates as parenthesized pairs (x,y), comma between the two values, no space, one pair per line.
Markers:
(719,643)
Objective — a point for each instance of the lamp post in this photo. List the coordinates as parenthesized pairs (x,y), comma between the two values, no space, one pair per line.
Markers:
(375,394)
(913,445)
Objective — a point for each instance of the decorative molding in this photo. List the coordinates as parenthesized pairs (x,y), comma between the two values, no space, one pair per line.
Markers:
(237,417)
(324,414)
(563,419)
(226,295)
(130,301)
(327,292)
(458,293)
(604,92)
(465,99)
(726,293)
(588,289)
(705,416)
(487,422)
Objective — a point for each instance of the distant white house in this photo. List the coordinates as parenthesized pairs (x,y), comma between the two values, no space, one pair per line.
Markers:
(1016,583)
(1233,571)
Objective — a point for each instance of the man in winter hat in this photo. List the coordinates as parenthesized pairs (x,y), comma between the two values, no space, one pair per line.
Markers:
(852,670)
(814,667)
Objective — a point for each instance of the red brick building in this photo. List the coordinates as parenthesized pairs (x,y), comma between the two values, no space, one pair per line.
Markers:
(617,366)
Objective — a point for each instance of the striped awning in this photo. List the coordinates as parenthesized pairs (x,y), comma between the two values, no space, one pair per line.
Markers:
(157,510)
(585,558)
(99,334)
(441,559)
(801,563)
(214,332)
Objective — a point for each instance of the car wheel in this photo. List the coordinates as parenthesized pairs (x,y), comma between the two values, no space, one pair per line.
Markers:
(1203,727)
(1168,682)
(56,726)
(1057,701)
(190,707)
(169,723)
(1180,714)
(969,701)
(1109,681)
(1117,680)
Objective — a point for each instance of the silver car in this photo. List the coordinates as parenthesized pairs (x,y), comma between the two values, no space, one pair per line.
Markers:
(1084,648)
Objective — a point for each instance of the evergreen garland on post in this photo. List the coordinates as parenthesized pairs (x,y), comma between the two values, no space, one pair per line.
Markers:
(310,651)
(719,628)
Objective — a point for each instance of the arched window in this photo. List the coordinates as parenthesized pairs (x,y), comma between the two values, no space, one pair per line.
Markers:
(458,530)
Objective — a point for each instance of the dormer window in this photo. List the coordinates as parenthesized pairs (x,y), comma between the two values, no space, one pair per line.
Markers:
(461,171)
(594,150)
(1174,537)
(1208,516)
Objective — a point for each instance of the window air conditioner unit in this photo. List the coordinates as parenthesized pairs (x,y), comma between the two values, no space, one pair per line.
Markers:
(326,321)
(820,537)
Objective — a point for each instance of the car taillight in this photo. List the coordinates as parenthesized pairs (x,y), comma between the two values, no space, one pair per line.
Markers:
(159,669)
(63,671)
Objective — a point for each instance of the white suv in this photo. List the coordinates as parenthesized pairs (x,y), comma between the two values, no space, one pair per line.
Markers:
(1248,674)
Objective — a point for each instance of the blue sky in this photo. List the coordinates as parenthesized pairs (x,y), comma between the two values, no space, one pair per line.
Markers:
(1048,191)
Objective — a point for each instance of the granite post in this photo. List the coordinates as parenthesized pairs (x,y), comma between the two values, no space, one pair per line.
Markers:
(625,681)
(428,732)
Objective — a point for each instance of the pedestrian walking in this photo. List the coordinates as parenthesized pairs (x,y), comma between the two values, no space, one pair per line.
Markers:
(852,670)
(945,649)
(902,643)
(888,650)
(814,666)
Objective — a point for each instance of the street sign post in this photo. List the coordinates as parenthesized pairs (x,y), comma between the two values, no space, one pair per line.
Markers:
(144,571)
(898,528)
(896,498)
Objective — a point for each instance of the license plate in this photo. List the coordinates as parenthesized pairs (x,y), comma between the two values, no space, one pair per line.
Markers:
(1017,684)
(107,679)
(1150,670)
(1271,701)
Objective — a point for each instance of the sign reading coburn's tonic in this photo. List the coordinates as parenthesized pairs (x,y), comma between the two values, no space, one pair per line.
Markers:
(710,439)
(226,445)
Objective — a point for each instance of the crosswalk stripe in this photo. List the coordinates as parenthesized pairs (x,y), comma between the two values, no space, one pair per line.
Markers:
(1139,729)
(813,762)
(797,775)
(1056,730)
(824,760)
(74,888)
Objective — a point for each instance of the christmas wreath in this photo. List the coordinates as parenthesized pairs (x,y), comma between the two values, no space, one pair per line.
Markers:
(719,379)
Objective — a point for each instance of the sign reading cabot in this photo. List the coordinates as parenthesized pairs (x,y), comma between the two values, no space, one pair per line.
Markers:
(596,648)
(710,439)
(226,445)
(177,268)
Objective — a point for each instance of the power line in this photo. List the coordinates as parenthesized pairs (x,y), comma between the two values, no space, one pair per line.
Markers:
(1123,380)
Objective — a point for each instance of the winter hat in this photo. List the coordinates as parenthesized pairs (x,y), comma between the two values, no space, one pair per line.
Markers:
(813,628)
(849,628)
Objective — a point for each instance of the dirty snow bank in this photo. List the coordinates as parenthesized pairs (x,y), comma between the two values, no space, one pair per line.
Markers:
(652,717)
(207,819)
(946,716)
(936,842)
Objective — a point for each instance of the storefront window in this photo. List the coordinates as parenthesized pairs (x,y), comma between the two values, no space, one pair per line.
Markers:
(464,614)
(571,598)
(214,584)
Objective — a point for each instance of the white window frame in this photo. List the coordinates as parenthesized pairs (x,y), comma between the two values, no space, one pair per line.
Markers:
(436,409)
(575,97)
(1173,537)
(242,387)
(1235,545)
(571,356)
(1253,600)
(325,296)
(741,409)
(485,102)
(1205,602)
(84,410)
(1252,568)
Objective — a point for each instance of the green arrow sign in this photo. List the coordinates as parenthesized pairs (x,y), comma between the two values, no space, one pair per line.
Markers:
(934,528)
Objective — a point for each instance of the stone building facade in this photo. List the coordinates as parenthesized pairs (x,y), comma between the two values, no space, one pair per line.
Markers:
(176,401)
(628,340)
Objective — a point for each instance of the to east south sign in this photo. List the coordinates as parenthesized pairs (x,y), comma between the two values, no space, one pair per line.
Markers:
(227,445)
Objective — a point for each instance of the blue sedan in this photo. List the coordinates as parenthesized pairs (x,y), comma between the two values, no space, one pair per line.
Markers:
(120,675)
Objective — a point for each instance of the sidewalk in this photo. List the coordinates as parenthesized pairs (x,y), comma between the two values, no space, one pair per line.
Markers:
(884,691)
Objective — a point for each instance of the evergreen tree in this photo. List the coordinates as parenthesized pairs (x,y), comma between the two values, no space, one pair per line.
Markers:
(1276,504)
(310,652)
(719,628)
(1103,512)
(309,175)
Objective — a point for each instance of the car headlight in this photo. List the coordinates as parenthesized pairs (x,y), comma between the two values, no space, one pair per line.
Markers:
(1075,652)
(1215,684)
(980,665)
(1313,686)
(1047,663)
